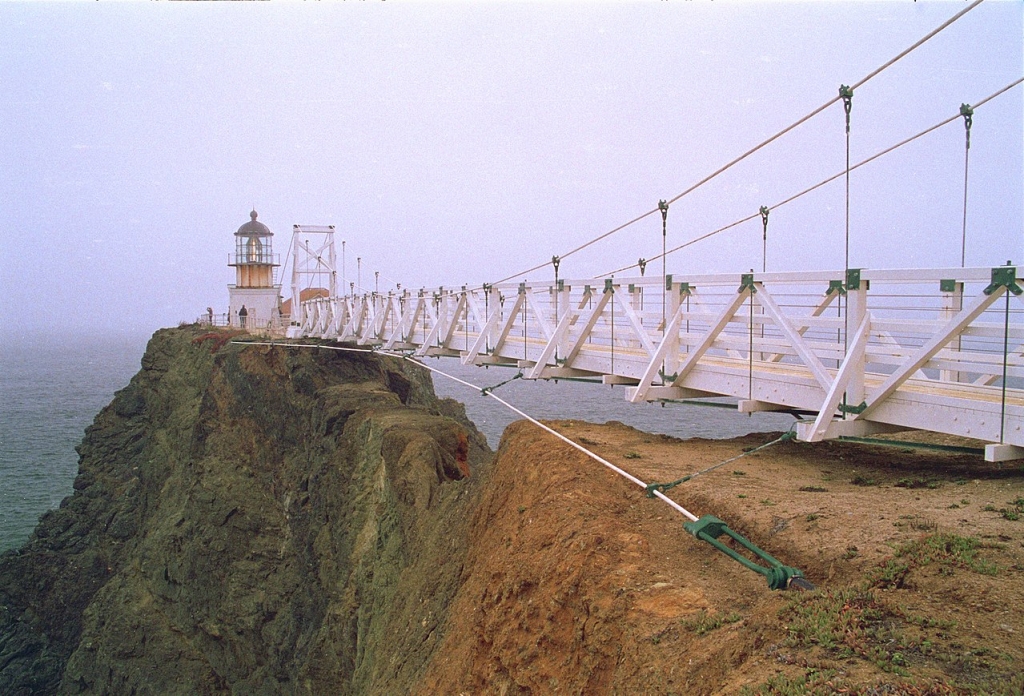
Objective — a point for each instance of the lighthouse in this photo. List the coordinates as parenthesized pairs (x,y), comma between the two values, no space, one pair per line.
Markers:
(254,298)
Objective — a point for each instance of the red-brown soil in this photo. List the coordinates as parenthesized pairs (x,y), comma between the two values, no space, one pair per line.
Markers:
(576,582)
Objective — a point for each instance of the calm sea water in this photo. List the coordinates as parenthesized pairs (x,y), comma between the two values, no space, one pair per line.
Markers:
(597,403)
(51,388)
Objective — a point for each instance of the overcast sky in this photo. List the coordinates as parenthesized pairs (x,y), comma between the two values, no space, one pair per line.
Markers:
(458,143)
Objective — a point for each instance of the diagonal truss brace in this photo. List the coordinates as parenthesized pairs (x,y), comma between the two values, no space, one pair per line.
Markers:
(951,330)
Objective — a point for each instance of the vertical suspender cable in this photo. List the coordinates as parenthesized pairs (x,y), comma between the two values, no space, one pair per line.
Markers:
(663,207)
(847,95)
(1006,352)
(554,262)
(764,239)
(750,349)
(968,113)
(525,302)
(611,289)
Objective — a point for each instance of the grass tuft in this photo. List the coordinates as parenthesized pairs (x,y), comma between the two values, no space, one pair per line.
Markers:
(705,623)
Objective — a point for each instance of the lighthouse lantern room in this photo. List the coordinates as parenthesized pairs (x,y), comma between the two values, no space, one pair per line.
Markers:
(254,298)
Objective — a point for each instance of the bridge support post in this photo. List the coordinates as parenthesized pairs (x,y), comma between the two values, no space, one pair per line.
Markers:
(952,302)
(856,311)
(676,293)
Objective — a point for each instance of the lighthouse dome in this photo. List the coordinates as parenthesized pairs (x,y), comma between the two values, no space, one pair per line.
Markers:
(254,228)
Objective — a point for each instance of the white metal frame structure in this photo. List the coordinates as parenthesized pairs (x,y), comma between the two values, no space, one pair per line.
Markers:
(312,262)
(856,352)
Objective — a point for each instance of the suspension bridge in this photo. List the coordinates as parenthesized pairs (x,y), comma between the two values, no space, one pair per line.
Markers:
(850,351)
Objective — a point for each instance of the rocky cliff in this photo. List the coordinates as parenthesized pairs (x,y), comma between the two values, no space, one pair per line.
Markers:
(247,519)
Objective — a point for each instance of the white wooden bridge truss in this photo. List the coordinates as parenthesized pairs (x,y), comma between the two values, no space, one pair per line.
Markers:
(855,353)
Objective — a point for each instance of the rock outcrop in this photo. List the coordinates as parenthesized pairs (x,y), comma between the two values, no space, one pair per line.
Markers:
(248,519)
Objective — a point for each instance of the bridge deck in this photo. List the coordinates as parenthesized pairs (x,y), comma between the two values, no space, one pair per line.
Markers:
(900,356)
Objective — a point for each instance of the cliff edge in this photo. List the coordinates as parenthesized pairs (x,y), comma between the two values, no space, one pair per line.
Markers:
(247,519)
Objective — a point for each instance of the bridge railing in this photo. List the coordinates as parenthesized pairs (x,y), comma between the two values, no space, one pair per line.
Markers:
(860,351)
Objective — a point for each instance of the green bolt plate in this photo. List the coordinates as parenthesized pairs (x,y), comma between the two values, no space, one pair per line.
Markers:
(853,279)
(1004,276)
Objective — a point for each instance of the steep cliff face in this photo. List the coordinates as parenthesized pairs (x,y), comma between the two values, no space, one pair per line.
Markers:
(247,519)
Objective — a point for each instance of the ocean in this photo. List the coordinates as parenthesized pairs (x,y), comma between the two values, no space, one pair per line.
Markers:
(51,388)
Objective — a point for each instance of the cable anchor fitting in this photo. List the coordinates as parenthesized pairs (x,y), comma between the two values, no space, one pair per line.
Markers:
(780,577)
(487,390)
(846,93)
(555,260)
(968,113)
(642,263)
(764,219)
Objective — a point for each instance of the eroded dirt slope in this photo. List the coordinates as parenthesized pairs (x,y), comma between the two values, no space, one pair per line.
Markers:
(576,582)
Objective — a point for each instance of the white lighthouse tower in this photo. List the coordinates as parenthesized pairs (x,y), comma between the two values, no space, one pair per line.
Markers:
(254,298)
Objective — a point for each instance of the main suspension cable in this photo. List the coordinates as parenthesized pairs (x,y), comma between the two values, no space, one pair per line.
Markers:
(824,182)
(759,146)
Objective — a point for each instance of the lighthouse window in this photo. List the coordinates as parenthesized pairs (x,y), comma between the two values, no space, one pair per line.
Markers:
(255,250)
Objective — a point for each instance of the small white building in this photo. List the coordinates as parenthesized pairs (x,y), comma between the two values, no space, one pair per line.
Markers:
(254,300)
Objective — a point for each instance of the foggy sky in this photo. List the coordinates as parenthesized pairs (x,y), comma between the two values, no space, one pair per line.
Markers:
(457,143)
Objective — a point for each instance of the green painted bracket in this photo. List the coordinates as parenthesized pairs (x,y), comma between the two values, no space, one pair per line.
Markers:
(684,288)
(1004,277)
(708,528)
(667,379)
(948,285)
(846,408)
(609,285)
(853,279)
(747,283)
(835,286)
